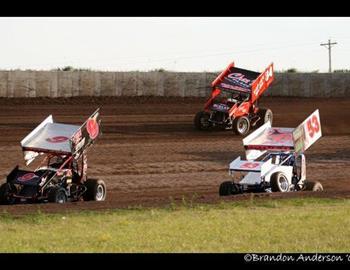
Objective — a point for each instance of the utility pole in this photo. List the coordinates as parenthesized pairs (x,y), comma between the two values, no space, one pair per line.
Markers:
(329,47)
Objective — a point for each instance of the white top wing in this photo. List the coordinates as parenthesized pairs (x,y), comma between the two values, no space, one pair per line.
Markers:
(60,138)
(267,138)
(51,137)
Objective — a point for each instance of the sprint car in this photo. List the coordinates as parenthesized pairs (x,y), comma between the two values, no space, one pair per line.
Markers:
(275,160)
(61,174)
(233,103)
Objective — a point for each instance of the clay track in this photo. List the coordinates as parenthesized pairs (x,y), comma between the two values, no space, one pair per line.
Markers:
(150,155)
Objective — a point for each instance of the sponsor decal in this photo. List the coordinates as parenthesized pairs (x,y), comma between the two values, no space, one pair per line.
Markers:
(77,136)
(278,136)
(268,147)
(234,87)
(267,75)
(221,107)
(27,177)
(249,165)
(307,132)
(258,87)
(240,79)
(240,110)
(92,128)
(57,139)
(80,145)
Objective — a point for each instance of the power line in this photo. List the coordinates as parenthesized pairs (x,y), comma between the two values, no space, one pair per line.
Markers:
(329,47)
(177,56)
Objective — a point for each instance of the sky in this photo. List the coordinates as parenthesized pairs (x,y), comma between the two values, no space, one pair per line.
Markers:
(174,43)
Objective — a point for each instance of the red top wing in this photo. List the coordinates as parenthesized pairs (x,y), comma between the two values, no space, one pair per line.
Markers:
(233,78)
(222,74)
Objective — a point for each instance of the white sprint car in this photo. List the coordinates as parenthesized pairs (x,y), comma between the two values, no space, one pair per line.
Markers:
(274,160)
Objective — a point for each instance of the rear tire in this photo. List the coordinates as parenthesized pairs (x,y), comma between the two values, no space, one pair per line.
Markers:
(201,121)
(226,188)
(265,116)
(313,186)
(96,190)
(229,188)
(279,183)
(6,191)
(57,195)
(241,126)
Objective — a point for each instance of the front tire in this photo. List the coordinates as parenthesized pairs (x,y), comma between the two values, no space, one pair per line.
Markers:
(6,191)
(265,116)
(201,121)
(313,186)
(96,190)
(57,195)
(241,126)
(279,183)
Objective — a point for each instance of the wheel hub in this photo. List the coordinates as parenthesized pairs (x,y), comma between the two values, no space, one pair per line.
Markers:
(242,126)
(99,193)
(283,183)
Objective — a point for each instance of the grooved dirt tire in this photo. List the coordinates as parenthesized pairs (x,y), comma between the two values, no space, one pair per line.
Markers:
(96,190)
(279,183)
(265,116)
(313,186)
(226,188)
(201,121)
(5,193)
(241,126)
(57,195)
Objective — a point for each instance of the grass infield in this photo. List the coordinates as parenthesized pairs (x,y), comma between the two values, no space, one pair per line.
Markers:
(288,225)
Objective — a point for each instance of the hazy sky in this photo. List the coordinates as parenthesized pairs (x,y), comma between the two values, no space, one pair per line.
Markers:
(181,44)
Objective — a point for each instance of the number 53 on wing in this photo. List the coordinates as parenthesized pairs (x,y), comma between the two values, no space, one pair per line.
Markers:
(307,132)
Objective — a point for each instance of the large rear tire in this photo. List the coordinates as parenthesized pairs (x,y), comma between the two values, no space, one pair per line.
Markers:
(279,183)
(241,126)
(265,116)
(313,186)
(229,188)
(96,190)
(201,121)
(6,191)
(226,188)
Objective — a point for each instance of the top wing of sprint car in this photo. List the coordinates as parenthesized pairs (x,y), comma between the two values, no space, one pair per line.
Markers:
(61,139)
(242,80)
(281,139)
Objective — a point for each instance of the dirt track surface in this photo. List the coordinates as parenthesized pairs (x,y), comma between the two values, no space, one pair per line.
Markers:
(150,154)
